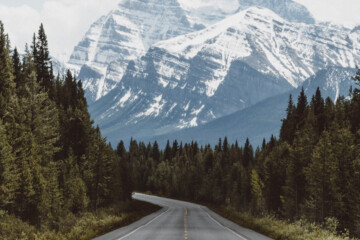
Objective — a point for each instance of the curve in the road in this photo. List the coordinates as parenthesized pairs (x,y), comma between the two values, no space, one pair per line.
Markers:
(179,220)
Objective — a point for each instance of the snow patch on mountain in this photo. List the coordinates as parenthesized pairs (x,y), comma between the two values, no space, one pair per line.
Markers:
(154,109)
(123,35)
(270,44)
(198,10)
(128,31)
(226,67)
(124,99)
(264,118)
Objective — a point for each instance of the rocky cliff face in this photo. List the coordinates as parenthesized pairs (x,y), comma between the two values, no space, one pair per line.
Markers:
(262,119)
(125,34)
(155,67)
(195,78)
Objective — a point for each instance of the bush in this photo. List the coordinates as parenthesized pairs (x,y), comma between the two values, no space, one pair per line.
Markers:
(283,230)
(77,227)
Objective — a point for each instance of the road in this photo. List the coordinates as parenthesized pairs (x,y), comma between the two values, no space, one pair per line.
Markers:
(179,220)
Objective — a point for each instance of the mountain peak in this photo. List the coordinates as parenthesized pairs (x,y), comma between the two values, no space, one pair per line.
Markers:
(287,9)
(270,44)
(123,35)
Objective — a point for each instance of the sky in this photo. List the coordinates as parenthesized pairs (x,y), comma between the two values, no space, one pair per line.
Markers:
(66,21)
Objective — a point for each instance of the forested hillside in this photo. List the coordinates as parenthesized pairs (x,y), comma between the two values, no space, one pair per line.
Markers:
(53,161)
(312,172)
(54,164)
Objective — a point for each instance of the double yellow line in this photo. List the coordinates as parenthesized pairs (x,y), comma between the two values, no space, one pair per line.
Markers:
(185,224)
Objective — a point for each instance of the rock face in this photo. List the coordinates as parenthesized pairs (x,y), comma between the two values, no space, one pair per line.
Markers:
(141,102)
(156,67)
(269,44)
(125,34)
(264,118)
(193,79)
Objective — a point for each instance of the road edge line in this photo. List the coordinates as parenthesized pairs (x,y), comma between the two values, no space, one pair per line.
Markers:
(144,225)
(220,224)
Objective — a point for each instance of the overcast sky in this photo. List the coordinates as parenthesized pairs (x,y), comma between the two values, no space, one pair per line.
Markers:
(66,21)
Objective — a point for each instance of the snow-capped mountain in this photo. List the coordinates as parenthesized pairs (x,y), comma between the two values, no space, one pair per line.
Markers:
(141,106)
(192,79)
(270,44)
(287,9)
(156,67)
(128,31)
(125,34)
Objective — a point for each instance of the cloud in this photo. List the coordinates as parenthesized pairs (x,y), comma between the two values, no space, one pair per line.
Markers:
(20,23)
(224,5)
(345,12)
(65,22)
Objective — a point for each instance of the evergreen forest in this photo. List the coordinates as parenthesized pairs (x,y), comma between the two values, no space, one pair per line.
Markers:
(54,161)
(311,172)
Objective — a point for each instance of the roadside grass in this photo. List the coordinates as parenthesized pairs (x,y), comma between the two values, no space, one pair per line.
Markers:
(84,226)
(280,229)
(273,227)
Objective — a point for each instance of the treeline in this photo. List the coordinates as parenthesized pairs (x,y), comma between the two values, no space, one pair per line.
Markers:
(311,172)
(53,162)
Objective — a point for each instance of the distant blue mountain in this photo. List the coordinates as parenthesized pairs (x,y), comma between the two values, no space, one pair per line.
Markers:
(263,119)
(243,87)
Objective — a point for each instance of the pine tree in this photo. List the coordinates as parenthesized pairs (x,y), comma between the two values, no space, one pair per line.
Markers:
(42,59)
(75,194)
(288,127)
(17,68)
(301,110)
(257,187)
(320,177)
(175,149)
(123,171)
(294,188)
(344,194)
(8,172)
(7,85)
(52,197)
(156,152)
(329,111)
(167,152)
(248,154)
(42,118)
(274,175)
(319,111)
(29,196)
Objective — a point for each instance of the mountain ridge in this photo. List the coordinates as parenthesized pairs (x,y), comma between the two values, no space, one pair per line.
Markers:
(263,119)
(197,73)
(121,36)
(195,78)
(108,58)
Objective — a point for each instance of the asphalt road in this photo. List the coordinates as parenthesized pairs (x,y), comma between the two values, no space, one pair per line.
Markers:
(179,220)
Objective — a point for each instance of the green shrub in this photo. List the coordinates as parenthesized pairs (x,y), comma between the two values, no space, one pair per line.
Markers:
(77,227)
(283,230)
